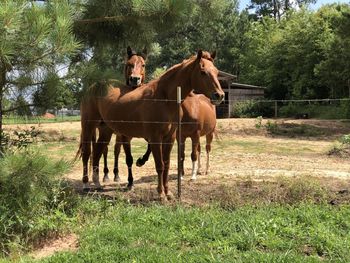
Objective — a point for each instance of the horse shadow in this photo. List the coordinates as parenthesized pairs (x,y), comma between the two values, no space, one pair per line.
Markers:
(111,190)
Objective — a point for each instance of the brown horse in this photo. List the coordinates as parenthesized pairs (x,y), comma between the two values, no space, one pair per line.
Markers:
(149,112)
(199,119)
(135,74)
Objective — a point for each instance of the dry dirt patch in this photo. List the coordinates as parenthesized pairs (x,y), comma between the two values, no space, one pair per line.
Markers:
(243,155)
(63,243)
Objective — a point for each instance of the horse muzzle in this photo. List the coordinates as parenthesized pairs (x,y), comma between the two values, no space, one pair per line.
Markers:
(217,98)
(135,81)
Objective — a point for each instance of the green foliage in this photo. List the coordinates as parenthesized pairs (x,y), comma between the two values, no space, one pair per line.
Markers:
(272,233)
(252,108)
(345,139)
(316,110)
(28,53)
(34,202)
(305,55)
(18,140)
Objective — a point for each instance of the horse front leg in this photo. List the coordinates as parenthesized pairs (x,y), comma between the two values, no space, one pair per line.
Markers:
(105,168)
(182,156)
(117,146)
(98,149)
(129,160)
(156,149)
(142,160)
(209,139)
(194,156)
(88,135)
(167,146)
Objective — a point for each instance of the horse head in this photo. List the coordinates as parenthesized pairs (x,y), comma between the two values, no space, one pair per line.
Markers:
(135,68)
(205,77)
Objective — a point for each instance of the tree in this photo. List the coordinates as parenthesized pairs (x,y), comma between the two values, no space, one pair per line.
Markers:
(34,38)
(334,70)
(276,8)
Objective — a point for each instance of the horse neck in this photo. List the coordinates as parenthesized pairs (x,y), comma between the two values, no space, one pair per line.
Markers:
(180,75)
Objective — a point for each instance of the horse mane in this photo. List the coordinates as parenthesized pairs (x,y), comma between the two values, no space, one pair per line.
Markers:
(101,88)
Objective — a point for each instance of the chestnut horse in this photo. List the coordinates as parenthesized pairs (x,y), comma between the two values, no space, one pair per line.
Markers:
(199,119)
(151,112)
(134,72)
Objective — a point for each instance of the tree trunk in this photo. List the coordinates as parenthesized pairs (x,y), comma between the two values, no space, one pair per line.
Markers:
(2,85)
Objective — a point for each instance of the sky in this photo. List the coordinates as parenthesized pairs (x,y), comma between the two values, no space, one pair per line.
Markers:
(319,3)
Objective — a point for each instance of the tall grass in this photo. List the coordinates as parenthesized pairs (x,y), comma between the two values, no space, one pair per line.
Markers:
(34,201)
(37,119)
(273,233)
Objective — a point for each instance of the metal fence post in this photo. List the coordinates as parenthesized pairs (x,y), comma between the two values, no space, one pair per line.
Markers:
(179,170)
(276,109)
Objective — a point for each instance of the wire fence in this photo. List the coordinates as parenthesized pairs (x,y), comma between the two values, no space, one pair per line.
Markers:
(276,108)
(294,108)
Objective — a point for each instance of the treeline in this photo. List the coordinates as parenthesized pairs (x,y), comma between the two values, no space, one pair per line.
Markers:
(292,51)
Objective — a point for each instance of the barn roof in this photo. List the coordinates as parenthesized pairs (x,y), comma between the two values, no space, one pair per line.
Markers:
(230,80)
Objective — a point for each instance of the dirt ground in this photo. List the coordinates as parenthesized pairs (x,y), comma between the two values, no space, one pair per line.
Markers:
(242,153)
(247,164)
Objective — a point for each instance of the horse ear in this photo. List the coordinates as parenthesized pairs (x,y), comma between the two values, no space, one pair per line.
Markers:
(144,53)
(199,54)
(213,54)
(129,51)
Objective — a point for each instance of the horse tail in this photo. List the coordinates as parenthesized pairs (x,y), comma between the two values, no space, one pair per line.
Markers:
(79,152)
(217,134)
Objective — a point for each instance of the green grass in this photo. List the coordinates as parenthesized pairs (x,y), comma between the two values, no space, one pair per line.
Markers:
(36,119)
(112,232)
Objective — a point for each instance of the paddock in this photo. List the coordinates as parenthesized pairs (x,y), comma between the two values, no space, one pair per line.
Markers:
(247,163)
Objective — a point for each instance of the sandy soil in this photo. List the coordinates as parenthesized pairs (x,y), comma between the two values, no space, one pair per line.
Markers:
(242,152)
(244,160)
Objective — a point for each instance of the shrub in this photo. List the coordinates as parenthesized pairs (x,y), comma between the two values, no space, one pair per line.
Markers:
(34,201)
(252,109)
(320,111)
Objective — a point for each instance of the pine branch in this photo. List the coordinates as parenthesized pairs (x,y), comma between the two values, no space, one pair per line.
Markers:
(102,19)
(18,107)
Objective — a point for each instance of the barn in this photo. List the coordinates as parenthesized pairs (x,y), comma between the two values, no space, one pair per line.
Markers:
(235,92)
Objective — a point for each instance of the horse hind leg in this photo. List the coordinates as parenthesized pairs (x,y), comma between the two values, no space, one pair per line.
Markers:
(194,156)
(199,172)
(209,139)
(98,148)
(87,137)
(117,146)
(129,161)
(105,169)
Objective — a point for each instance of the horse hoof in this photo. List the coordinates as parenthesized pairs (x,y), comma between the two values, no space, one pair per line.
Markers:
(163,199)
(193,178)
(99,188)
(86,189)
(105,179)
(116,179)
(139,162)
(129,187)
(170,196)
(199,173)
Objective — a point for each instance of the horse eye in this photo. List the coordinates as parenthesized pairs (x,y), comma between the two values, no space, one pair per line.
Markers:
(143,66)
